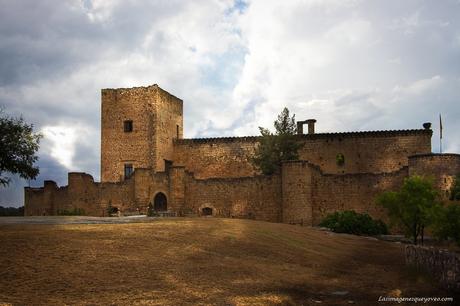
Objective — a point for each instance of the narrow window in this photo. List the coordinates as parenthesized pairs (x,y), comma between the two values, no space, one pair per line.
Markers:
(128,126)
(177,131)
(128,170)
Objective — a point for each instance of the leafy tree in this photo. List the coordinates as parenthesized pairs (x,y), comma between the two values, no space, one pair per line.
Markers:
(455,190)
(412,208)
(18,145)
(447,224)
(274,148)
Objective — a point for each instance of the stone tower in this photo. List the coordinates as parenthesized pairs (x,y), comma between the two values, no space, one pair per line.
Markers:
(138,126)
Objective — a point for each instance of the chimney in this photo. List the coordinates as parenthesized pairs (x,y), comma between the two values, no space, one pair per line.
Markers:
(300,127)
(311,125)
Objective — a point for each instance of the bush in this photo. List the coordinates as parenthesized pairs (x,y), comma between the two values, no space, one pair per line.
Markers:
(73,212)
(447,225)
(352,222)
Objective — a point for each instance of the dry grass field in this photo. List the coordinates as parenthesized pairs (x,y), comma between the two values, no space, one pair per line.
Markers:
(200,261)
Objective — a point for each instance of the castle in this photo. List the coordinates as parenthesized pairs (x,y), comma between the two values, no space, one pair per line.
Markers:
(146,161)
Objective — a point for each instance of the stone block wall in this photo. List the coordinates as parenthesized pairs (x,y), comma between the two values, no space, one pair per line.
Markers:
(251,197)
(157,120)
(168,126)
(352,192)
(309,194)
(297,192)
(364,152)
(80,193)
(442,264)
(441,167)
(216,157)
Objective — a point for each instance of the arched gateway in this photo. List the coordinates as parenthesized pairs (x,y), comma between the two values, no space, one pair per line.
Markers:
(160,203)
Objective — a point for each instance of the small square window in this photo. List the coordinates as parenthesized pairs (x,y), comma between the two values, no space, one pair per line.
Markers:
(128,126)
(128,170)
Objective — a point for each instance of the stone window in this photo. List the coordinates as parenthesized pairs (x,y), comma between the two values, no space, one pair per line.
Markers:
(129,169)
(128,126)
(177,131)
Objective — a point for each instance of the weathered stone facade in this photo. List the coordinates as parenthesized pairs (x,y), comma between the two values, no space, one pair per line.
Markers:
(142,130)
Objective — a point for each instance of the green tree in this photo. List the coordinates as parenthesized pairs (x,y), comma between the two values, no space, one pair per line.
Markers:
(18,145)
(455,190)
(274,148)
(413,207)
(447,225)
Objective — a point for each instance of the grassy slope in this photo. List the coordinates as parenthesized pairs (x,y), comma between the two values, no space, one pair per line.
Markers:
(198,261)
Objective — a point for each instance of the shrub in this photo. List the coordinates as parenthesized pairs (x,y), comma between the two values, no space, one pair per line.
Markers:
(447,224)
(73,212)
(352,222)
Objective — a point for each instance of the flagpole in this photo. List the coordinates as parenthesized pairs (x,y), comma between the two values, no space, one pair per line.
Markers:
(440,134)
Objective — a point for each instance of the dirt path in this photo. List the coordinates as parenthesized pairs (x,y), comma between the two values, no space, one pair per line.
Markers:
(199,261)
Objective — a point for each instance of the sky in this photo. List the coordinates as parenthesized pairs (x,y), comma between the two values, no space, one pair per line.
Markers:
(352,65)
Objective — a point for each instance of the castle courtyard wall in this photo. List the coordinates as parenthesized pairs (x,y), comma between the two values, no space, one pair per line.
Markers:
(250,197)
(216,157)
(441,167)
(356,192)
(364,152)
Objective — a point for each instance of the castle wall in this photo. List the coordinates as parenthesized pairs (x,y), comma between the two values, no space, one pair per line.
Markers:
(297,191)
(119,147)
(157,119)
(364,152)
(80,193)
(251,197)
(168,124)
(309,194)
(441,167)
(216,157)
(352,192)
(146,185)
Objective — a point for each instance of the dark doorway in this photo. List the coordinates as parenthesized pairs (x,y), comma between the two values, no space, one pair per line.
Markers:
(160,202)
(207,211)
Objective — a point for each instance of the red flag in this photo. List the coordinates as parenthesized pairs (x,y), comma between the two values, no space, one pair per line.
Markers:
(440,126)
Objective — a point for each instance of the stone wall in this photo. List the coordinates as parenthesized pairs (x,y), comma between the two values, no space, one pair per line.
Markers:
(442,264)
(216,157)
(80,193)
(352,192)
(365,152)
(309,194)
(168,125)
(297,192)
(251,197)
(157,119)
(441,167)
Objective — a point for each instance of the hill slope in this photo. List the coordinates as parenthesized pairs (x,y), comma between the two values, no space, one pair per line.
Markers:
(201,260)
